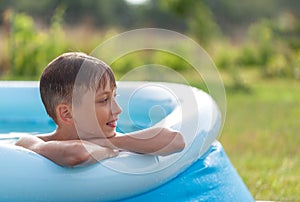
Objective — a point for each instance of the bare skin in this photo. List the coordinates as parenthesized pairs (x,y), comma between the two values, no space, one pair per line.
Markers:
(84,139)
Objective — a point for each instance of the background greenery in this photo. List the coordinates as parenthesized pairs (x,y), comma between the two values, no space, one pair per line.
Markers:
(255,45)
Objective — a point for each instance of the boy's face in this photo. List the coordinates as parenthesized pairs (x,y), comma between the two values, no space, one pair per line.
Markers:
(97,115)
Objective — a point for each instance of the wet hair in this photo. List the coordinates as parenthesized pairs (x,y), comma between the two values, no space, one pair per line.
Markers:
(69,74)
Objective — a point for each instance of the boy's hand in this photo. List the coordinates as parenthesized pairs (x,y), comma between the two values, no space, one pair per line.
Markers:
(156,141)
(104,142)
(98,153)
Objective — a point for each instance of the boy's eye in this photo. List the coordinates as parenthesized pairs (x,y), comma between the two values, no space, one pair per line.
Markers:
(103,100)
(106,99)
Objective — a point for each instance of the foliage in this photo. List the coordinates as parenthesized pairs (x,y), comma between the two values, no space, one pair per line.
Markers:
(271,45)
(30,49)
(156,66)
(266,47)
(199,18)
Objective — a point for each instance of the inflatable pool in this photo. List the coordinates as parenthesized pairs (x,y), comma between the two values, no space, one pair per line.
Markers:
(201,172)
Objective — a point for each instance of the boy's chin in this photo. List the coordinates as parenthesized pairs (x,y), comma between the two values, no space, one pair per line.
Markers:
(110,135)
(95,136)
(106,135)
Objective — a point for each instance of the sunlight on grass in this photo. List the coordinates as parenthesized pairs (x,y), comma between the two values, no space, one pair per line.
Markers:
(261,137)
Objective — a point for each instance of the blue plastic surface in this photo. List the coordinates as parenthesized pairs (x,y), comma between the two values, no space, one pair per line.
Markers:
(211,178)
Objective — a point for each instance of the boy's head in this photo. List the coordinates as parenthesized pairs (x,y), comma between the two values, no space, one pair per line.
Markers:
(69,73)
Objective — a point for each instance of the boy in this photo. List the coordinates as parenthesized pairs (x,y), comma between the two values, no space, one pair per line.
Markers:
(78,92)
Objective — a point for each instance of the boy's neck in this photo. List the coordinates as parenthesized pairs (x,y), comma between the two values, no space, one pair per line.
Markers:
(61,134)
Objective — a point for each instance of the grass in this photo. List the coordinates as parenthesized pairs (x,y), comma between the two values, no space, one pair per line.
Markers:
(261,138)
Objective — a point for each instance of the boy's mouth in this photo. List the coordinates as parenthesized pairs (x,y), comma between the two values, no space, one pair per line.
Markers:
(112,123)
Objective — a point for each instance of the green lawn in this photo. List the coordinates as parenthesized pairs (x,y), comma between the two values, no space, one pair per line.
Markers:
(261,137)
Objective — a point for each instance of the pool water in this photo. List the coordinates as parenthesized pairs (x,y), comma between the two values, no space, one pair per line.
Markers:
(32,118)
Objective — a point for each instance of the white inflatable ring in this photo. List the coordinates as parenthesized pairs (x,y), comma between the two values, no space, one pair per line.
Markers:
(27,176)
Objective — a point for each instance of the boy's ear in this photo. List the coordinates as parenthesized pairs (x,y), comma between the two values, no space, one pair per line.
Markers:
(64,113)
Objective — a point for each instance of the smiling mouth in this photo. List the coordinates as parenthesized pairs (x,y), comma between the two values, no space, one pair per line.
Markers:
(112,123)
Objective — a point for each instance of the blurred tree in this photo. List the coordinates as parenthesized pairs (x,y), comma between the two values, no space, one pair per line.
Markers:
(230,15)
(204,20)
(104,13)
(152,14)
(199,17)
(42,11)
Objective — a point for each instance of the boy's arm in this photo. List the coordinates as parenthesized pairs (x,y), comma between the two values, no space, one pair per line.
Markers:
(156,141)
(67,153)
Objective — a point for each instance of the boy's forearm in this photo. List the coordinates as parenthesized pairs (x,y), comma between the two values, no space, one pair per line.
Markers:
(30,142)
(58,152)
(75,152)
(67,153)
(157,141)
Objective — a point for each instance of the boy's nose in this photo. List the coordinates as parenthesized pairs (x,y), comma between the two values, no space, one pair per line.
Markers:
(115,107)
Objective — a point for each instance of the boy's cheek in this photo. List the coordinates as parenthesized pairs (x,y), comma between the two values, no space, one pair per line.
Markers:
(88,127)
